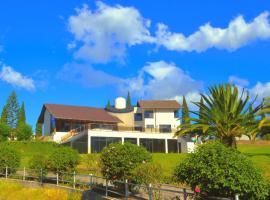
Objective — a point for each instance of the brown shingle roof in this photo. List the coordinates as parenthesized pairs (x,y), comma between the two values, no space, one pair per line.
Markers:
(79,113)
(171,104)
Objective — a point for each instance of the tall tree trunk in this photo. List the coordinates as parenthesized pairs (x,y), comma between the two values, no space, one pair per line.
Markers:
(229,141)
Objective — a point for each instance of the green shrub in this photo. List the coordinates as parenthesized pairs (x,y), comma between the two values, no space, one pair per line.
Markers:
(147,173)
(38,163)
(9,157)
(221,171)
(92,163)
(4,132)
(119,160)
(63,159)
(24,132)
(266,137)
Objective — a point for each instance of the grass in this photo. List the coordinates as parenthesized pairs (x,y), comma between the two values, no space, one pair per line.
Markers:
(258,153)
(13,191)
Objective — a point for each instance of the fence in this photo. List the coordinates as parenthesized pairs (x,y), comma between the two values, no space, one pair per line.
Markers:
(116,189)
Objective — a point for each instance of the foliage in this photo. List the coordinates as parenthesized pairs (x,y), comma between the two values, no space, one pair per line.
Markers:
(224,113)
(119,160)
(63,159)
(92,163)
(4,115)
(128,100)
(13,191)
(252,129)
(9,157)
(37,163)
(23,132)
(108,104)
(39,131)
(12,107)
(4,132)
(266,136)
(147,173)
(221,171)
(21,115)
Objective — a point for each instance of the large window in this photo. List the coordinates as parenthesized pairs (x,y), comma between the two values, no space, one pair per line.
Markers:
(165,128)
(173,146)
(176,114)
(98,143)
(138,117)
(153,145)
(131,140)
(148,114)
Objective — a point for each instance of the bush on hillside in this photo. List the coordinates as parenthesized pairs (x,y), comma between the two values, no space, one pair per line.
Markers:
(63,159)
(23,132)
(147,173)
(92,163)
(221,171)
(119,160)
(9,157)
(37,163)
(4,132)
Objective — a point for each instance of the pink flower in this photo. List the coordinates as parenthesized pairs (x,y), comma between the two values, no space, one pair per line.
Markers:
(197,189)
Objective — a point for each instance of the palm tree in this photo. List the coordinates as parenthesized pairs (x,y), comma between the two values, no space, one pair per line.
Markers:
(224,113)
(265,122)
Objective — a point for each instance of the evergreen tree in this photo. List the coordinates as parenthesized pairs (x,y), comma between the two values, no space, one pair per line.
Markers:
(21,117)
(38,129)
(128,100)
(4,115)
(185,112)
(108,104)
(12,107)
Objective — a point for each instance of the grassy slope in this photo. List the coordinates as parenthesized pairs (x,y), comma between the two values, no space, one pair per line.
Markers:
(13,191)
(259,154)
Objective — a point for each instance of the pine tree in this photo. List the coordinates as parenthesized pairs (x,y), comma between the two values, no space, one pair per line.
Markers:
(108,104)
(128,100)
(38,129)
(12,107)
(21,115)
(185,112)
(4,115)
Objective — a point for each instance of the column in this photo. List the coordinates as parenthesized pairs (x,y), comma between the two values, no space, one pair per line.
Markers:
(89,142)
(138,141)
(122,140)
(166,145)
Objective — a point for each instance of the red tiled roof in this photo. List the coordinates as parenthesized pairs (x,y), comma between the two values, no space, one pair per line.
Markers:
(79,113)
(171,104)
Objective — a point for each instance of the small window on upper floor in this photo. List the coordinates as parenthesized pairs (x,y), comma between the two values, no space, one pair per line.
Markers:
(138,117)
(176,114)
(148,114)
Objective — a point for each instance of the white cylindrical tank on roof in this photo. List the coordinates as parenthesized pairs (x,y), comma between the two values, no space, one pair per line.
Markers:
(120,103)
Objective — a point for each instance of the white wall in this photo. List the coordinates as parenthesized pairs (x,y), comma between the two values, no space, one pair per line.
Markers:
(47,123)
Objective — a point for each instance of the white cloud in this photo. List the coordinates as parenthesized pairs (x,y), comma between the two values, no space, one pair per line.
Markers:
(162,80)
(105,33)
(86,75)
(238,81)
(261,90)
(237,34)
(12,77)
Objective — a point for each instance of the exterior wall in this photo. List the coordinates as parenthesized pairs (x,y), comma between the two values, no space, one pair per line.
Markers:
(126,118)
(47,123)
(58,135)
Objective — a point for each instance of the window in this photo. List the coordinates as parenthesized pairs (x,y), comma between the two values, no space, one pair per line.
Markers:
(138,128)
(138,117)
(131,140)
(98,143)
(149,126)
(148,114)
(173,146)
(153,145)
(165,128)
(176,114)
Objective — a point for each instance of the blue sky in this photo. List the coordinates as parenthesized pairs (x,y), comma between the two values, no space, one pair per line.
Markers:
(86,52)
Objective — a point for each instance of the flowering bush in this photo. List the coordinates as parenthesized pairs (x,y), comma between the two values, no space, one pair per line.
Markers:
(216,170)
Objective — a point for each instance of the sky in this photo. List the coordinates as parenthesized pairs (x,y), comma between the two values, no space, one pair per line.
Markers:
(89,52)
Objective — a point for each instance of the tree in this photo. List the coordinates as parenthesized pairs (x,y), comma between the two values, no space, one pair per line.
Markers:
(185,112)
(38,129)
(4,132)
(253,129)
(108,104)
(12,107)
(21,115)
(9,157)
(220,171)
(4,115)
(128,100)
(224,113)
(23,132)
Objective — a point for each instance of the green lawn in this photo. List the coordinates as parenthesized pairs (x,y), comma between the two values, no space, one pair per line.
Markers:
(259,154)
